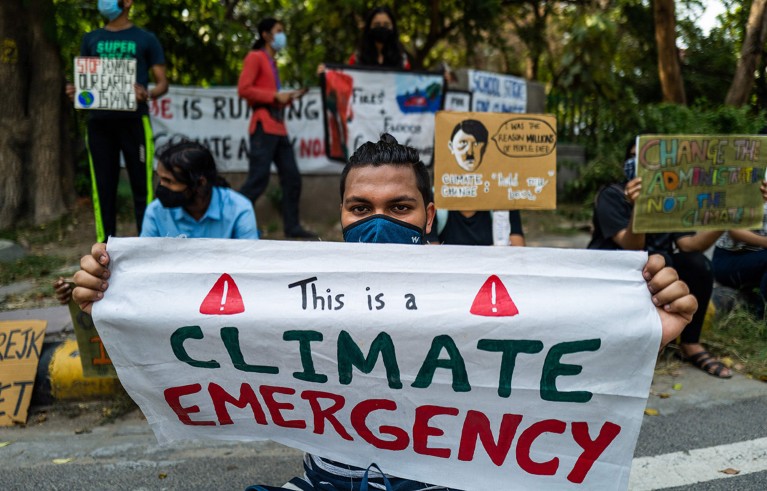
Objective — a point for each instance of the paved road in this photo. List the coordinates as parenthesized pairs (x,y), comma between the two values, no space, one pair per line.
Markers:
(706,427)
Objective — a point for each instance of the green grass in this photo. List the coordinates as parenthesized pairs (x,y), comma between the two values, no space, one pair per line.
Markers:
(29,267)
(743,337)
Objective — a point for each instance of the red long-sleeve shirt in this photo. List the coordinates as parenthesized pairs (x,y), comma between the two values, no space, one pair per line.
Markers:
(258,85)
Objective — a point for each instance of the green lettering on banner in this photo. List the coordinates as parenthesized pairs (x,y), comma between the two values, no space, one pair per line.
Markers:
(231,338)
(349,354)
(510,349)
(177,344)
(454,362)
(304,338)
(553,368)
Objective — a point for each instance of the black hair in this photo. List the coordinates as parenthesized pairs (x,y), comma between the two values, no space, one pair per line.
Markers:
(393,52)
(266,25)
(388,152)
(189,161)
(629,145)
(474,128)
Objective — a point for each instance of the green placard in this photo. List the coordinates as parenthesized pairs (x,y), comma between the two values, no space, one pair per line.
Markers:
(93,355)
(699,182)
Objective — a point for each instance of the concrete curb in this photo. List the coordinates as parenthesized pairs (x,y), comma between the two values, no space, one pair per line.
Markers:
(60,376)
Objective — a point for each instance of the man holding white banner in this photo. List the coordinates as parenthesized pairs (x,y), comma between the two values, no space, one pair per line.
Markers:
(411,419)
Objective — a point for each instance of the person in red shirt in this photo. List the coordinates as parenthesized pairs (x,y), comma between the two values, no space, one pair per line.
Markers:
(259,85)
(380,44)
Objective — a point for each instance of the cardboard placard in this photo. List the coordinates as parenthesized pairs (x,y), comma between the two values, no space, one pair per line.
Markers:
(495,161)
(699,182)
(20,346)
(105,83)
(93,355)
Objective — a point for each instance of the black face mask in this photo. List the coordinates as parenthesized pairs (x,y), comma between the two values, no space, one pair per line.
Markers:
(171,199)
(381,34)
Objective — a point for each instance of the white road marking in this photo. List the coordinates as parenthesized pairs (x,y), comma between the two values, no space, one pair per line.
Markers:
(699,465)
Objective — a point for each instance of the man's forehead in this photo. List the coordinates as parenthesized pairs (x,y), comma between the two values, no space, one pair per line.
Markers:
(399,179)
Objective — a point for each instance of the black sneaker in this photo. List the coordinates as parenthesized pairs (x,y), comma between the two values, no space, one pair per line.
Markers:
(301,233)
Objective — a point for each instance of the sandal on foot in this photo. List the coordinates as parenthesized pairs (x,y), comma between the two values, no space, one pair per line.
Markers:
(706,362)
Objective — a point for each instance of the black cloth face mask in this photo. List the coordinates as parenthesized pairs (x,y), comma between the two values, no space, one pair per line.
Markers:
(172,199)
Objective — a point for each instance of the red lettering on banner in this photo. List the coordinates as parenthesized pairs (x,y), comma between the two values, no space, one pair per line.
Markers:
(359,422)
(274,407)
(321,415)
(311,148)
(422,431)
(526,439)
(223,299)
(173,398)
(595,448)
(221,398)
(493,300)
(326,406)
(477,426)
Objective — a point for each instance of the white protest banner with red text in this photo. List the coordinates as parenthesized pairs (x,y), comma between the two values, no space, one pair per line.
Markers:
(514,369)
(219,119)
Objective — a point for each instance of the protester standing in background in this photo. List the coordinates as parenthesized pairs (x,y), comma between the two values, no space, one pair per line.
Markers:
(113,132)
(259,85)
(380,45)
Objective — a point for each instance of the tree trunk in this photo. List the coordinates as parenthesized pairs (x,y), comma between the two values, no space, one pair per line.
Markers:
(45,104)
(13,121)
(669,70)
(756,31)
(36,172)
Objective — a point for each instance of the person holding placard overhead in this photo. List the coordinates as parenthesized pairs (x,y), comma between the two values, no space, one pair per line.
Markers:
(380,45)
(111,133)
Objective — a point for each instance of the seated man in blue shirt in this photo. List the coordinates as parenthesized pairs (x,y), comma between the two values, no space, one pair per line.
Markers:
(194,201)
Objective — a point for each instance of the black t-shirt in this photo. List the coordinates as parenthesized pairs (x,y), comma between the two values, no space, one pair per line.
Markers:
(131,43)
(474,230)
(612,214)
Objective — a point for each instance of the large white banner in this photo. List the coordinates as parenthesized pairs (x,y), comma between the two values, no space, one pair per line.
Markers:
(218,118)
(496,93)
(517,368)
(362,103)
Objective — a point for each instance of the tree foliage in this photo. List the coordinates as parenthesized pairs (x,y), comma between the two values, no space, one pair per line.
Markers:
(597,58)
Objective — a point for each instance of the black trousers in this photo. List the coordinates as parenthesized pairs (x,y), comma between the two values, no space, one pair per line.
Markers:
(694,268)
(107,138)
(265,149)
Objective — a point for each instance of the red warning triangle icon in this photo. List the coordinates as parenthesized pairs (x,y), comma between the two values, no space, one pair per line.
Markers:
(223,299)
(493,300)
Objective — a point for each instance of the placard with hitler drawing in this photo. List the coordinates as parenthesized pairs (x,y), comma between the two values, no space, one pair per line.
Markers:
(495,161)
(699,182)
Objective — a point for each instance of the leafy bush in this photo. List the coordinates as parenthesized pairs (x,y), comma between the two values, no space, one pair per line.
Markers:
(617,128)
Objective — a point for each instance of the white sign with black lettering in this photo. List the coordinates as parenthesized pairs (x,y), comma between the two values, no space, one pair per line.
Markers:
(105,84)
